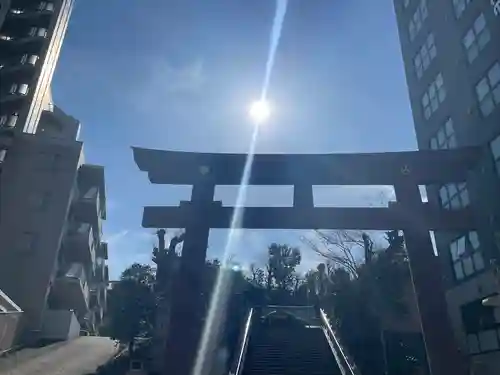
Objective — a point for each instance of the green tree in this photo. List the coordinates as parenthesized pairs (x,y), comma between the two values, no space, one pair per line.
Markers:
(364,289)
(131,305)
(282,262)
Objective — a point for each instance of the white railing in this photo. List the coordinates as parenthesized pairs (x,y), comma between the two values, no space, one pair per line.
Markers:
(10,314)
(238,364)
(305,313)
(347,366)
(9,321)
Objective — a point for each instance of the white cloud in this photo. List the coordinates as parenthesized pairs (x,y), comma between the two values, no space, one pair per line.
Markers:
(189,78)
(353,196)
(170,80)
(126,247)
(114,238)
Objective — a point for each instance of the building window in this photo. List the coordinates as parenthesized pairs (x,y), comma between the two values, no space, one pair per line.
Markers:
(435,95)
(482,326)
(488,90)
(425,55)
(466,256)
(38,31)
(445,137)
(46,5)
(9,121)
(495,149)
(30,59)
(476,38)
(454,196)
(460,6)
(19,89)
(418,19)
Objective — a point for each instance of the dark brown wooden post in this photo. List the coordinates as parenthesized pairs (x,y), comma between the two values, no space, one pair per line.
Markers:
(188,310)
(442,350)
(303,195)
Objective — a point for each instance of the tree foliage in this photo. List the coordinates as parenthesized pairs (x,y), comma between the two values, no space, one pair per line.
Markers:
(278,281)
(131,304)
(364,288)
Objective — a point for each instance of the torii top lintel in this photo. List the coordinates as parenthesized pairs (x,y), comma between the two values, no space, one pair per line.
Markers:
(421,167)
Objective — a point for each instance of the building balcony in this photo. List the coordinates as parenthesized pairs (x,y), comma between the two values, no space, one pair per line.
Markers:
(91,185)
(70,290)
(98,316)
(98,296)
(18,68)
(102,250)
(37,13)
(80,244)
(60,325)
(100,271)
(87,208)
(14,92)
(30,42)
(94,298)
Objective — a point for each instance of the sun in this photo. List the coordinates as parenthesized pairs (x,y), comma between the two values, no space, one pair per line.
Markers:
(259,111)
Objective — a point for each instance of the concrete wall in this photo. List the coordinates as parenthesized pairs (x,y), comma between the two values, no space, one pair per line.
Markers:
(37,181)
(60,325)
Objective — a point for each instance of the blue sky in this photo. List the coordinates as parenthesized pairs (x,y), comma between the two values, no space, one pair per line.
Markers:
(180,74)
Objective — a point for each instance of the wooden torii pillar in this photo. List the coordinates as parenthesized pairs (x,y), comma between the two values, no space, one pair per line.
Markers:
(403,170)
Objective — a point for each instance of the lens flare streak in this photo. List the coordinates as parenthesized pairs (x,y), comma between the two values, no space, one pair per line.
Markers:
(215,317)
(279,19)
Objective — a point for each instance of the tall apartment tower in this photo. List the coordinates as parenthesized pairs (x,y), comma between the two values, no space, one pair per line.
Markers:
(31,36)
(451,53)
(52,258)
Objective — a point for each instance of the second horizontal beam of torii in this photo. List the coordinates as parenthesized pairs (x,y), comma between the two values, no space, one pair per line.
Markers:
(214,215)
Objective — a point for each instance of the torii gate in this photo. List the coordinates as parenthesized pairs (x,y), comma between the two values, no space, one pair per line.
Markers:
(403,170)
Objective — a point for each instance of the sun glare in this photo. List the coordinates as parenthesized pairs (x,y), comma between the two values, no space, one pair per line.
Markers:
(260,111)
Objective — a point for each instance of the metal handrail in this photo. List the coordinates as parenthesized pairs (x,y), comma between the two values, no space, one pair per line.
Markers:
(237,367)
(348,365)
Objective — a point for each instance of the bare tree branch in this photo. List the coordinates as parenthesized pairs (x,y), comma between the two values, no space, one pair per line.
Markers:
(337,247)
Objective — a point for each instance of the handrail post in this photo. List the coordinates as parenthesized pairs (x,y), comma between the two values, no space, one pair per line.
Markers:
(347,363)
(238,362)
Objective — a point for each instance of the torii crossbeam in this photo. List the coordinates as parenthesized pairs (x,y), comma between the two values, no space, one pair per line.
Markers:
(403,170)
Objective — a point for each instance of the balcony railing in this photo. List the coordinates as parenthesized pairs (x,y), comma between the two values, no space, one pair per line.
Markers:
(23,41)
(100,273)
(87,208)
(10,315)
(70,289)
(80,243)
(42,8)
(18,65)
(102,250)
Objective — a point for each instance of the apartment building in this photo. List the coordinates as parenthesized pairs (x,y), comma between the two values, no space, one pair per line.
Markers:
(451,54)
(31,36)
(52,259)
